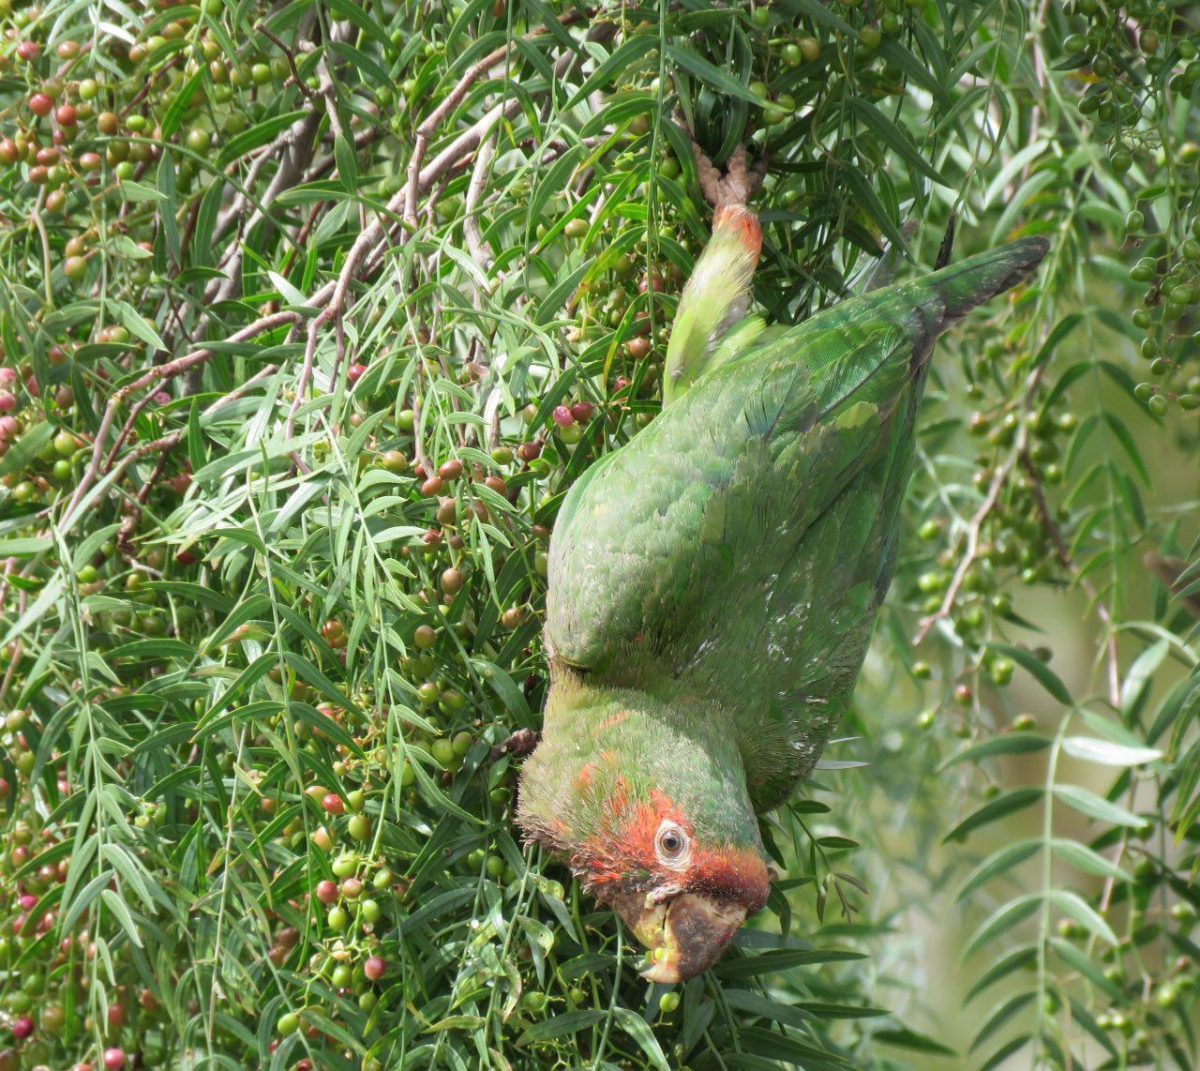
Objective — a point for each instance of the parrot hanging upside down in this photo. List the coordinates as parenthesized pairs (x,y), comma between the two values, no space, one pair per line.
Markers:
(713,585)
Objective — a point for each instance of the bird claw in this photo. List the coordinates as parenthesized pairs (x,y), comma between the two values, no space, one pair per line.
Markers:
(520,744)
(737,185)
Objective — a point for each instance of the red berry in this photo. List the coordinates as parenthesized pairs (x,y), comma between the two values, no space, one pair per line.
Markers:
(637,348)
(582,412)
(333,803)
(327,891)
(374,968)
(29,50)
(22,1028)
(563,417)
(66,115)
(41,105)
(114,1059)
(451,470)
(355,372)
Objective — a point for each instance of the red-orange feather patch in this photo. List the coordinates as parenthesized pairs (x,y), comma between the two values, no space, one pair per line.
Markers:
(625,846)
(743,223)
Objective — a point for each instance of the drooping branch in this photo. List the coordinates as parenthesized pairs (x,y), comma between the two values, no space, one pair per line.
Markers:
(330,302)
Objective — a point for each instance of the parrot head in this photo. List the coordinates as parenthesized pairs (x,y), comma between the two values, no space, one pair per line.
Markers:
(683,895)
(655,821)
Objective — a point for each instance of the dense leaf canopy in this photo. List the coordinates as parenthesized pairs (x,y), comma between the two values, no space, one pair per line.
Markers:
(311,311)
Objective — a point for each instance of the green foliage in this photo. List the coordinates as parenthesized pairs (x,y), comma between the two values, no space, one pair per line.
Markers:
(311,312)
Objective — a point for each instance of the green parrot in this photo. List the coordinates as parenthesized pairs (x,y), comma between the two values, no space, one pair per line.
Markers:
(713,586)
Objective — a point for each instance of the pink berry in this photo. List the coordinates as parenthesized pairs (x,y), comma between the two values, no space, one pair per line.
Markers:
(8,427)
(8,401)
(327,891)
(562,416)
(333,803)
(374,968)
(22,1028)
(114,1059)
(27,901)
(8,376)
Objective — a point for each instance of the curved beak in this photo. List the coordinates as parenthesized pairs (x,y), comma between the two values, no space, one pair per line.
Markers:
(683,936)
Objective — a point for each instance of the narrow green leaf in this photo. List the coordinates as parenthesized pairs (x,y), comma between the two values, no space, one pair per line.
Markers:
(1060,331)
(781,960)
(1016,743)
(1003,919)
(905,1038)
(1073,906)
(1090,862)
(1109,754)
(714,77)
(895,137)
(1013,960)
(1000,1015)
(1036,668)
(999,862)
(1001,807)
(122,914)
(1088,803)
(559,1026)
(1077,960)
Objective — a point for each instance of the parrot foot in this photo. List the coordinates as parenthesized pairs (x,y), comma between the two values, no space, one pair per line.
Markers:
(519,745)
(737,185)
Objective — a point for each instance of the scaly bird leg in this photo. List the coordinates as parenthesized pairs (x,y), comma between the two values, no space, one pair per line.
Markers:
(519,745)
(737,185)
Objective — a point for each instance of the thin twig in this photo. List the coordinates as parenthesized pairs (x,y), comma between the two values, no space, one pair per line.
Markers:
(152,376)
(1063,553)
(971,553)
(479,177)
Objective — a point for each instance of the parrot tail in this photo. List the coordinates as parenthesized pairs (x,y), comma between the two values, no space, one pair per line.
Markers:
(979,278)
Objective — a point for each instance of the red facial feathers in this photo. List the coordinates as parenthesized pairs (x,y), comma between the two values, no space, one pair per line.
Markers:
(625,846)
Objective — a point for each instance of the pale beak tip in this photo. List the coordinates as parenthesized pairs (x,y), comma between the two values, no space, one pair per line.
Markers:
(663,973)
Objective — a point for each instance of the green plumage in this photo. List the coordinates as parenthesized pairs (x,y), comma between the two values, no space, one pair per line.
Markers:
(717,579)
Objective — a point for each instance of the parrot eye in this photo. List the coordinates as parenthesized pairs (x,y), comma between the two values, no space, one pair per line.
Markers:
(672,843)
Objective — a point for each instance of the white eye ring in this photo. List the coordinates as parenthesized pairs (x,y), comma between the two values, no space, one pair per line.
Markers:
(672,845)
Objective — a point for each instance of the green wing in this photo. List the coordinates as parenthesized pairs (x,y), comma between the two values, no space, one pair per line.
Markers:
(735,553)
(759,447)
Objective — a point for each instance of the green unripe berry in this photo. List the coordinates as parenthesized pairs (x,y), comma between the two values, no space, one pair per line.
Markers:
(535,1001)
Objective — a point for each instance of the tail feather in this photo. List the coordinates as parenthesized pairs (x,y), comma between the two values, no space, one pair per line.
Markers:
(978,279)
